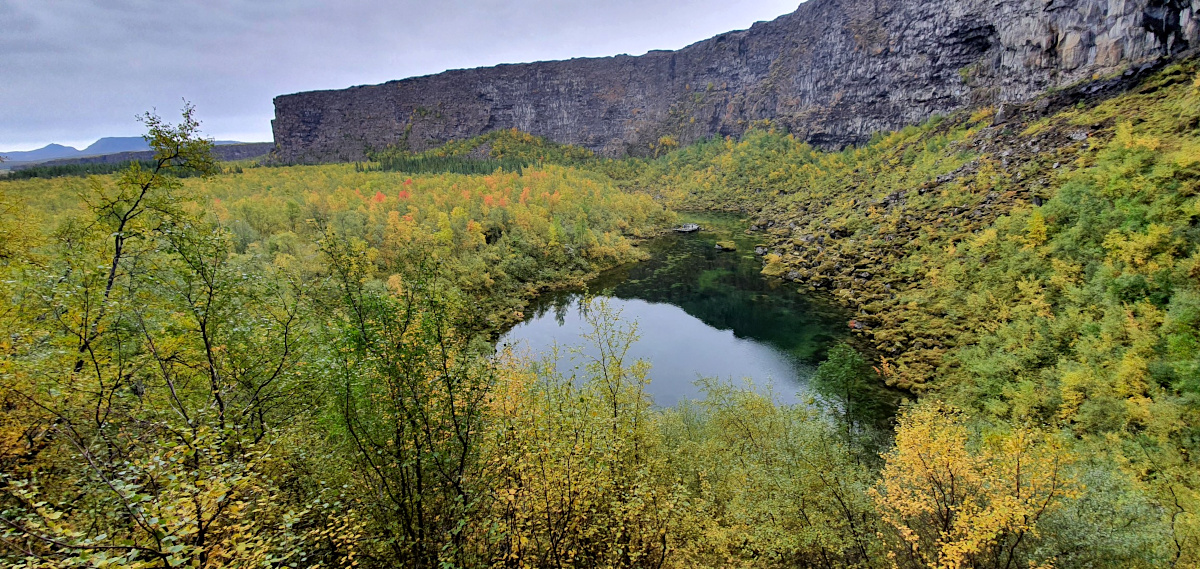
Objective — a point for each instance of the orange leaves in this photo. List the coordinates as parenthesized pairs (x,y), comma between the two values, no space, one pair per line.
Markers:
(494,181)
(885,369)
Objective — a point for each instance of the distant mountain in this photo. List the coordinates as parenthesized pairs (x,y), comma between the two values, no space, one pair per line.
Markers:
(114,144)
(107,145)
(48,152)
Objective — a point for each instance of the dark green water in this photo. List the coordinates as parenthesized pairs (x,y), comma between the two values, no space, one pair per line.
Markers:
(700,312)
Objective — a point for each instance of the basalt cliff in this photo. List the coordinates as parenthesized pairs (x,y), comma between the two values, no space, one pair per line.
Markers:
(833,72)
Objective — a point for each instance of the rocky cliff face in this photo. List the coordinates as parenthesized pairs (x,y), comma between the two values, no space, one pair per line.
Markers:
(833,72)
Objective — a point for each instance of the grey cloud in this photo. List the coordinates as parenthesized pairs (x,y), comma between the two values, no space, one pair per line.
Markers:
(75,70)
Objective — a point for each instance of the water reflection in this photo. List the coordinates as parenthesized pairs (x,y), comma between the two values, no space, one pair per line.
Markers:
(700,312)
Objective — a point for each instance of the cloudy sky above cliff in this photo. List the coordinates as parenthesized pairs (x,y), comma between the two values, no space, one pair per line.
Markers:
(72,71)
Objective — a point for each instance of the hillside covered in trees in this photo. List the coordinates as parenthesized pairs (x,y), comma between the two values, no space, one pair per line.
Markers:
(292,366)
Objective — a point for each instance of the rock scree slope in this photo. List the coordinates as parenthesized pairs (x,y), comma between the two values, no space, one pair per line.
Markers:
(833,72)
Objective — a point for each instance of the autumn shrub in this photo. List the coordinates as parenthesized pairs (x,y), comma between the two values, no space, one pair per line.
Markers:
(768,484)
(954,500)
(579,472)
(144,380)
(1041,272)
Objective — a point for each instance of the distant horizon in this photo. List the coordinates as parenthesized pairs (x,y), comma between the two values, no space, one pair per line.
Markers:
(83,73)
(83,146)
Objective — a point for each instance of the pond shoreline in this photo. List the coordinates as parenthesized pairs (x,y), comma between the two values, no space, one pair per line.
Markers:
(716,297)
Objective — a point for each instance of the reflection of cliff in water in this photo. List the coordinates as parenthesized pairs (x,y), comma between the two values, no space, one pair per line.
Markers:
(724,290)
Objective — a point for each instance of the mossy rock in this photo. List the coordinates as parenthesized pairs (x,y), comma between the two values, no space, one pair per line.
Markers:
(726,246)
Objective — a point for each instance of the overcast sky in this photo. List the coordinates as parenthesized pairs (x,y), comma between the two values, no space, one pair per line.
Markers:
(72,71)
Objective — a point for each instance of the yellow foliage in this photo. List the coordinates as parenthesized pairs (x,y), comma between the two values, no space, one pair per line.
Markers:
(1035,235)
(956,501)
(1127,138)
(984,113)
(1076,386)
(575,473)
(1144,253)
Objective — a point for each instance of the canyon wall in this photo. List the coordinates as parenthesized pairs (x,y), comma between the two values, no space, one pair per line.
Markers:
(833,72)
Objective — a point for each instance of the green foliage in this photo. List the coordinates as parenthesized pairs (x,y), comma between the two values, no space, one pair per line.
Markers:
(851,386)
(506,150)
(449,165)
(514,145)
(270,368)
(768,485)
(292,367)
(1046,277)
(145,422)
(580,474)
(499,238)
(71,170)
(408,394)
(97,169)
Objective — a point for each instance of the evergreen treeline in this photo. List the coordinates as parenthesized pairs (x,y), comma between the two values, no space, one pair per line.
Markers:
(505,150)
(71,170)
(449,165)
(83,170)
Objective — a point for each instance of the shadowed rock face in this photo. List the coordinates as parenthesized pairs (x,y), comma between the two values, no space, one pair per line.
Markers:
(833,72)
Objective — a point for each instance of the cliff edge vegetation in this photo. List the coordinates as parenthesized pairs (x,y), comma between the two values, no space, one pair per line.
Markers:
(1040,269)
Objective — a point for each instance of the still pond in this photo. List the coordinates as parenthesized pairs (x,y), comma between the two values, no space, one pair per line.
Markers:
(699,312)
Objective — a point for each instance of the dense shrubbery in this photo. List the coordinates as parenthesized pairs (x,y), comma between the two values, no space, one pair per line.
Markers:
(498,238)
(278,367)
(1042,273)
(291,366)
(506,150)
